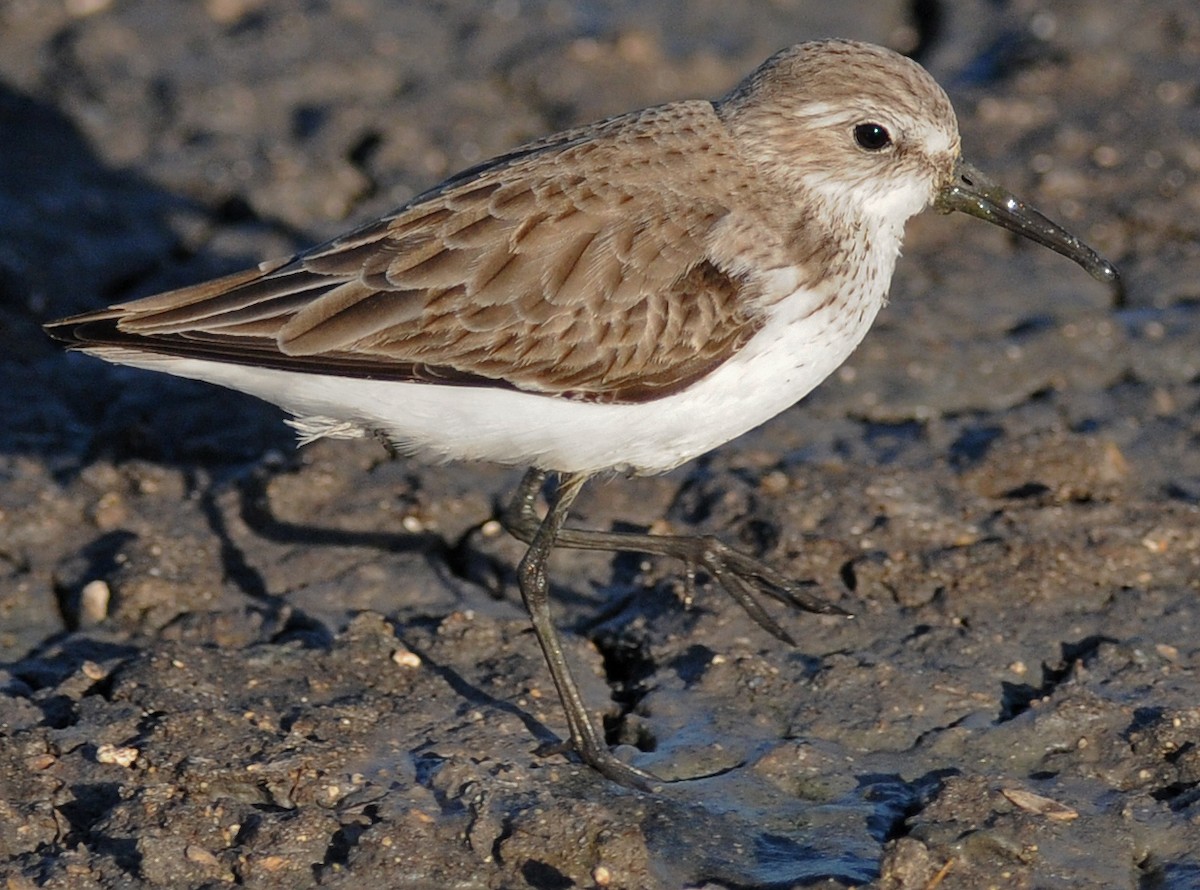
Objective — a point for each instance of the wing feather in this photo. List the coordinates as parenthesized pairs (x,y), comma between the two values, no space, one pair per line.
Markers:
(570,267)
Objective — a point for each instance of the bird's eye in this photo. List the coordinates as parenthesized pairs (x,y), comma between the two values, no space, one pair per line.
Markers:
(872,137)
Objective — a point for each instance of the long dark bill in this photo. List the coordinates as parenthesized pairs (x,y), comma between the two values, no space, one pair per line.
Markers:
(972,192)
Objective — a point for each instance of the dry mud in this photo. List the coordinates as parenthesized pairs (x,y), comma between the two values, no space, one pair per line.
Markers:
(223,660)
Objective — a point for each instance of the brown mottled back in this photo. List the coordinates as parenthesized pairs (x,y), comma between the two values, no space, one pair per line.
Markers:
(562,268)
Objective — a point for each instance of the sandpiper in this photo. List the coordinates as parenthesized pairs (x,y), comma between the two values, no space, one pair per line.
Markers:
(619,297)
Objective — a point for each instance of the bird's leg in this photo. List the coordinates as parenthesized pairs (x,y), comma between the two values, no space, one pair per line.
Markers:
(743,577)
(535,590)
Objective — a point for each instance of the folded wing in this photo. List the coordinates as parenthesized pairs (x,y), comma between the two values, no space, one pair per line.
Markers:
(556,269)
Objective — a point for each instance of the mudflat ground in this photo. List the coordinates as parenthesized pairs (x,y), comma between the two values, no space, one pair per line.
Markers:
(223,660)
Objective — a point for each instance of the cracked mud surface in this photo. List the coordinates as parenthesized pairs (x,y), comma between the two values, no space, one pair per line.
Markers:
(225,660)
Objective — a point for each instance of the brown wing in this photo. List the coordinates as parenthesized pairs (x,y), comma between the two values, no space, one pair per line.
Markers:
(576,266)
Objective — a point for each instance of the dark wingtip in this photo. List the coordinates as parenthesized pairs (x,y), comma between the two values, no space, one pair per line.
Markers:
(81,331)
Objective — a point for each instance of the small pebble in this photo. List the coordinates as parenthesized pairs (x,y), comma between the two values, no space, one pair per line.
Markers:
(122,755)
(93,603)
(407,659)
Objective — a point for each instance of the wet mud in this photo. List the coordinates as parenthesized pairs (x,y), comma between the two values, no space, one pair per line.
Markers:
(227,661)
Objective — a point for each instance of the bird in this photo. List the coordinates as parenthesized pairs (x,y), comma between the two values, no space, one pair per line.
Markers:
(616,298)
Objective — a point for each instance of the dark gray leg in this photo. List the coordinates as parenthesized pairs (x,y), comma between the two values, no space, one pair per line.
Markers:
(742,576)
(535,589)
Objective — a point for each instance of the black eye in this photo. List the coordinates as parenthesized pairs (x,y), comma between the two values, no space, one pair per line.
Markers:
(872,137)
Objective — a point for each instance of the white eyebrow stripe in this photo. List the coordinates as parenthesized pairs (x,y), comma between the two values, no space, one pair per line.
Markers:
(936,140)
(823,113)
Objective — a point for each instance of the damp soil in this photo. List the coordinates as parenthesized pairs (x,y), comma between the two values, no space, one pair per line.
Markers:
(227,661)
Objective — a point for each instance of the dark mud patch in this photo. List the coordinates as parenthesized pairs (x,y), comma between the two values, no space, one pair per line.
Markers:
(225,661)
